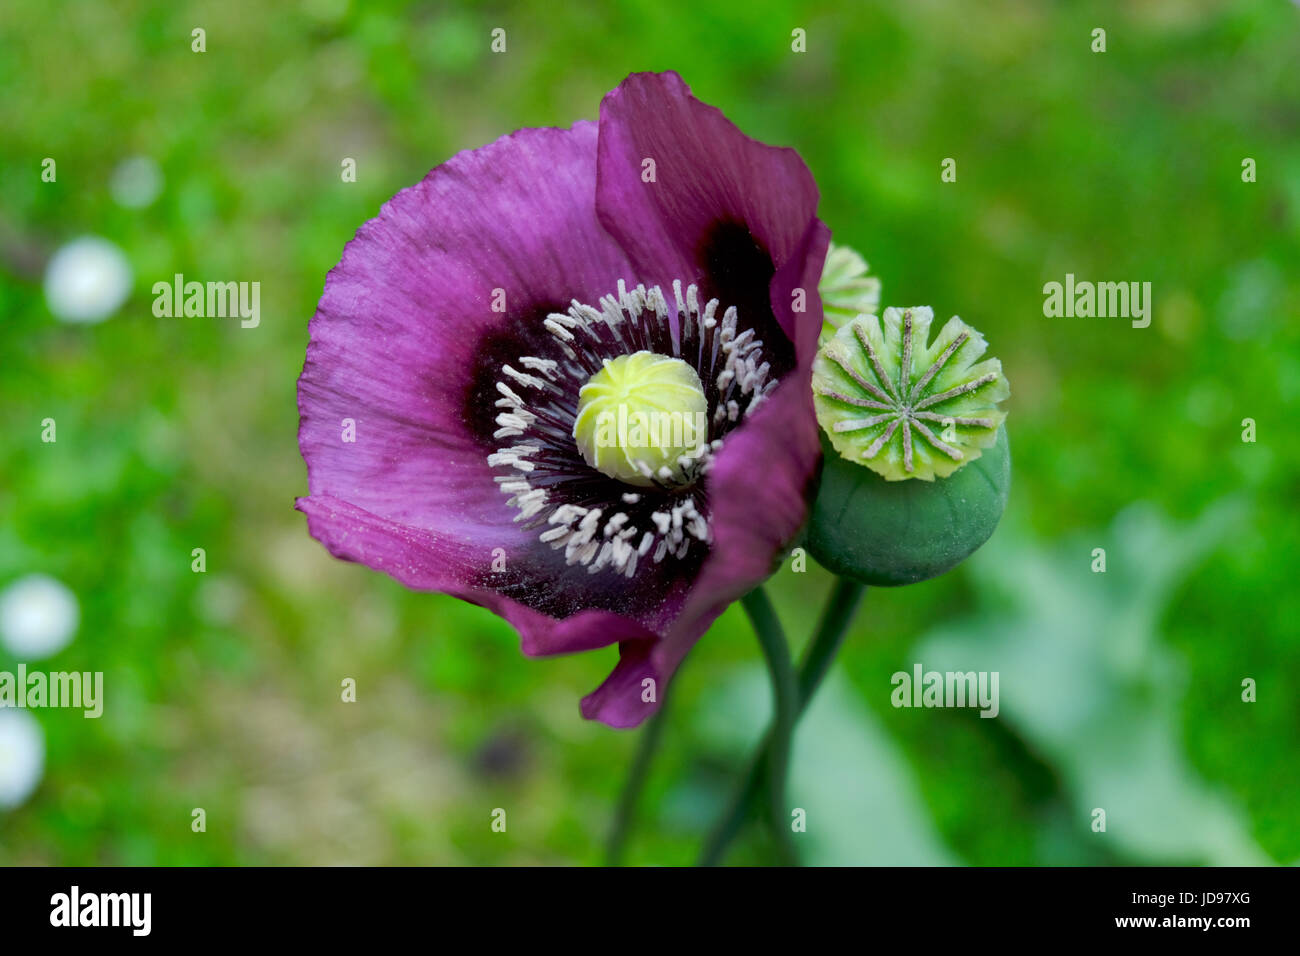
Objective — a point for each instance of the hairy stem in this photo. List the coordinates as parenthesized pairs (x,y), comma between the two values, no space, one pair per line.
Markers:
(831,630)
(625,816)
(785,701)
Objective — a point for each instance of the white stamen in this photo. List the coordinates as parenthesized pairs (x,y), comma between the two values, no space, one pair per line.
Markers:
(523,378)
(628,318)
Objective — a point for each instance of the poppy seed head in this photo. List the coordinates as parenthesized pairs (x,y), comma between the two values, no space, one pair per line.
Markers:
(640,414)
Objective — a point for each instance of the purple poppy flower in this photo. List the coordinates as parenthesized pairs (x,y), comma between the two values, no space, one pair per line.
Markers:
(462,323)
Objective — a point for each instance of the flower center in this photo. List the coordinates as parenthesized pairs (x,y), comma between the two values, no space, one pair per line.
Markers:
(640,392)
(643,417)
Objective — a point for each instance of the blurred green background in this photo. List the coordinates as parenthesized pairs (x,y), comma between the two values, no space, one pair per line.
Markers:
(1119,690)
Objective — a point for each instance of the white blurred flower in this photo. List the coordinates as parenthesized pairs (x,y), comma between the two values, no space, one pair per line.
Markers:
(22,756)
(136,182)
(38,616)
(87,280)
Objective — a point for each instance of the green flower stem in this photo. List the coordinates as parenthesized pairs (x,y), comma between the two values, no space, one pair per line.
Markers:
(785,694)
(838,614)
(626,814)
(831,630)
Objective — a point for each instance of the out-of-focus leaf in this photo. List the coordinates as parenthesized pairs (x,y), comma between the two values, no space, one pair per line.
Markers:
(862,803)
(1086,682)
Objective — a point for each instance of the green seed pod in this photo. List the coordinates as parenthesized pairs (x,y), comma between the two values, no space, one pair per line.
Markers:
(903,407)
(901,532)
(917,468)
